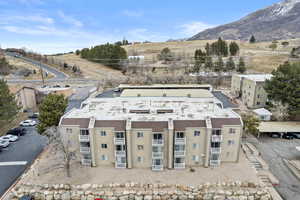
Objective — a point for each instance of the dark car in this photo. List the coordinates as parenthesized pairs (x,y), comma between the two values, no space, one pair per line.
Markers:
(288,136)
(17,131)
(296,135)
(27,197)
(275,135)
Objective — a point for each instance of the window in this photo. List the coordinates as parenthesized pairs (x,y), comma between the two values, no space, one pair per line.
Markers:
(195,145)
(69,130)
(103,133)
(84,132)
(157,136)
(179,147)
(230,142)
(258,103)
(195,158)
(140,134)
(119,135)
(179,134)
(140,147)
(120,147)
(104,157)
(232,131)
(140,159)
(104,146)
(196,133)
(258,96)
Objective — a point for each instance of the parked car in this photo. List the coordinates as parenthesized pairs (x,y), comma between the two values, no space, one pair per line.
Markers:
(296,135)
(288,136)
(275,135)
(27,197)
(10,138)
(17,131)
(28,122)
(4,143)
(34,115)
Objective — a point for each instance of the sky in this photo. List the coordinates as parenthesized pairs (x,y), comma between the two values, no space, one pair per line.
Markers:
(56,26)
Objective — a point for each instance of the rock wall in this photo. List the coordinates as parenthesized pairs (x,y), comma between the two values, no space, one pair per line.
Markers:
(135,191)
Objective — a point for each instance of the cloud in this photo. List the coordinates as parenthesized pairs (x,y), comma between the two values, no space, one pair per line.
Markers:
(5,19)
(132,13)
(29,2)
(143,34)
(192,28)
(69,19)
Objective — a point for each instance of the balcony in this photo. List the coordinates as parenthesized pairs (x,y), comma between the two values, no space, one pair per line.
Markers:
(85,150)
(158,142)
(157,167)
(215,163)
(216,138)
(119,141)
(120,153)
(179,165)
(179,153)
(120,165)
(84,138)
(157,154)
(180,140)
(216,150)
(86,162)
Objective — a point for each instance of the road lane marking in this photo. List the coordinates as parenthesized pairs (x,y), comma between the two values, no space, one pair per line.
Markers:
(13,163)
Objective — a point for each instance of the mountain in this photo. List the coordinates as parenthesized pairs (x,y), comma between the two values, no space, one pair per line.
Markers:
(279,21)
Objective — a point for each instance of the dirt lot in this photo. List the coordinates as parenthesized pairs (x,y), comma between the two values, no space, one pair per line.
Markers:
(258,56)
(103,175)
(90,69)
(19,64)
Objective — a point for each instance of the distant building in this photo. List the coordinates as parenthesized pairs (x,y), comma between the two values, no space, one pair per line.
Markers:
(263,114)
(26,98)
(250,88)
(153,132)
(136,57)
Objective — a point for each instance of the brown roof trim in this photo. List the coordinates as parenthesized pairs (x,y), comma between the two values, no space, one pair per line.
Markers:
(181,125)
(157,126)
(165,111)
(118,125)
(140,111)
(81,122)
(220,122)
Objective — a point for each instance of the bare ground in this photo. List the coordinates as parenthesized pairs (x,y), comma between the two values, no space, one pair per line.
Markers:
(48,169)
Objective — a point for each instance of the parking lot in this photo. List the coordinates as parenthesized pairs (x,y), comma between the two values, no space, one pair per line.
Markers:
(273,151)
(18,156)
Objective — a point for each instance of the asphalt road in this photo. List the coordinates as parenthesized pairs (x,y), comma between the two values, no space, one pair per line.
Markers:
(27,148)
(273,151)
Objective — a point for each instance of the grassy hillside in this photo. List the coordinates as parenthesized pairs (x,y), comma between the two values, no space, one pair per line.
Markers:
(259,57)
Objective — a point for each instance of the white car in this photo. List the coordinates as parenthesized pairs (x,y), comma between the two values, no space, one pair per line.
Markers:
(4,143)
(28,123)
(10,138)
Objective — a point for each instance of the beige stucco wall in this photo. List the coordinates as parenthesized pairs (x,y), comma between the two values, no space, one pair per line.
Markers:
(236,84)
(26,98)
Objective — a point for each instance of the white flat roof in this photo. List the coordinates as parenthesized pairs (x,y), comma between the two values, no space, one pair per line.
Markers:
(256,77)
(118,108)
(176,86)
(279,127)
(262,111)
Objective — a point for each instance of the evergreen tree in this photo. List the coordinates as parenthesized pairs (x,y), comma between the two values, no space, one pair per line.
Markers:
(252,39)
(208,49)
(284,87)
(166,55)
(230,65)
(208,63)
(219,65)
(51,110)
(234,48)
(241,66)
(8,104)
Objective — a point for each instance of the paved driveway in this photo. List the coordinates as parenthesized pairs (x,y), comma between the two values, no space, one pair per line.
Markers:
(273,151)
(18,156)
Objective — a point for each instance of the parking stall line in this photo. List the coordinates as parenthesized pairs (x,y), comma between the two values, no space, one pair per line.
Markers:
(13,163)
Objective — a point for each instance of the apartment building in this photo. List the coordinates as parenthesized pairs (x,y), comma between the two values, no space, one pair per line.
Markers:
(250,88)
(153,132)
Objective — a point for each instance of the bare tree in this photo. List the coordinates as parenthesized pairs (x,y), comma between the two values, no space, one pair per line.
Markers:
(63,144)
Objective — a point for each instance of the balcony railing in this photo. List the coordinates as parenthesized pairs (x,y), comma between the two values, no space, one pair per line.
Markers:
(119,141)
(159,142)
(215,163)
(120,165)
(84,138)
(157,154)
(87,162)
(179,165)
(85,150)
(120,153)
(157,167)
(179,153)
(216,138)
(180,140)
(215,150)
